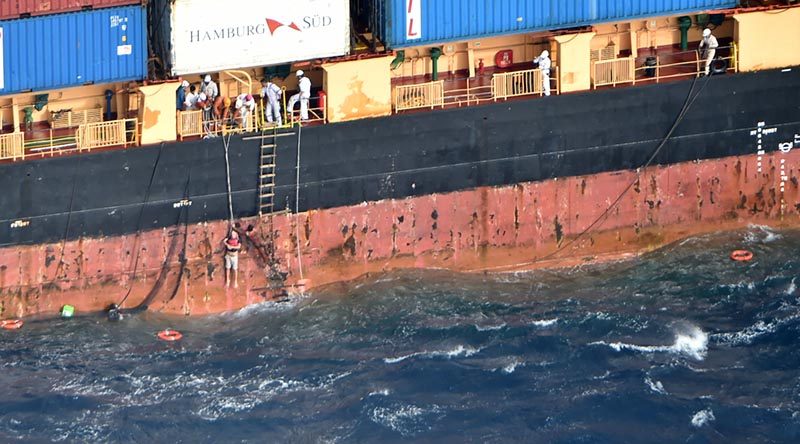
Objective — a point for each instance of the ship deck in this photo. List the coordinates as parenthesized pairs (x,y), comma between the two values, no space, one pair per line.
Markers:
(460,90)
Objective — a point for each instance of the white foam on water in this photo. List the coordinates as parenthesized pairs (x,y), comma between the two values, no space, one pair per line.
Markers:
(490,327)
(512,366)
(792,288)
(691,342)
(381,392)
(268,307)
(455,352)
(545,322)
(703,417)
(655,386)
(747,335)
(761,234)
(406,419)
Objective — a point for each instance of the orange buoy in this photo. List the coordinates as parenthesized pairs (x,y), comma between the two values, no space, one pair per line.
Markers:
(741,255)
(11,324)
(170,335)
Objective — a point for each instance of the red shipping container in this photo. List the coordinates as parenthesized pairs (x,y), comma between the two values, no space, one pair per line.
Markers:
(12,9)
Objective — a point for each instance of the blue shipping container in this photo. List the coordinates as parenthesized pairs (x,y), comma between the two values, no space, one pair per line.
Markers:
(403,23)
(63,50)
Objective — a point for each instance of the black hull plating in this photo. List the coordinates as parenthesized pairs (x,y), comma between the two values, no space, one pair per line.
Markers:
(398,156)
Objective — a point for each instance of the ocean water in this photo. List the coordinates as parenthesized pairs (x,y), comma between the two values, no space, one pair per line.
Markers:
(679,345)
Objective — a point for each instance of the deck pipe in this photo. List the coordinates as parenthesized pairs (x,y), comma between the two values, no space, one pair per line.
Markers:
(684,23)
(435,54)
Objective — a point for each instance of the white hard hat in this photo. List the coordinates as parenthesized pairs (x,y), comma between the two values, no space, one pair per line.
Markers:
(207,78)
(185,84)
(203,97)
(706,32)
(545,53)
(299,73)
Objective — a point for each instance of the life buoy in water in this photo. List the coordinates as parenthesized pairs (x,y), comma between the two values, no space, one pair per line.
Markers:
(170,335)
(11,324)
(741,255)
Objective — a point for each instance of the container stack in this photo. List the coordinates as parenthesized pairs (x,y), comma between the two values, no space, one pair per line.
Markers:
(405,23)
(66,43)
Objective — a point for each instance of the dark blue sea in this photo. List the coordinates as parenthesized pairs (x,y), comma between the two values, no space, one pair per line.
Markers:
(679,345)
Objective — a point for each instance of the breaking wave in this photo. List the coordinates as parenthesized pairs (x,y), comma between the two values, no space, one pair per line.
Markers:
(761,234)
(692,343)
(655,386)
(545,323)
(703,417)
(458,351)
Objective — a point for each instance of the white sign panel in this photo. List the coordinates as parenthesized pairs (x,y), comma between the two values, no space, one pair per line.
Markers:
(413,19)
(209,36)
(2,56)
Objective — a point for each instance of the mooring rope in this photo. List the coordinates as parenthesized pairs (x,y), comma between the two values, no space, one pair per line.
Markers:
(226,143)
(297,203)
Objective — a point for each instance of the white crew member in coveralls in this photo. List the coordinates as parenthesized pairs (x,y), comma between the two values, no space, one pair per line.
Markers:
(246,105)
(272,93)
(302,96)
(709,45)
(210,88)
(544,66)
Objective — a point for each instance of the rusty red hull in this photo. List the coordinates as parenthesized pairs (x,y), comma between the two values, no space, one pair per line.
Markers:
(522,226)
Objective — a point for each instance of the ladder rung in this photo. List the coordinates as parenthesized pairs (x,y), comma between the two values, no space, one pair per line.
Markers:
(268,145)
(267,195)
(264,176)
(268,165)
(265,156)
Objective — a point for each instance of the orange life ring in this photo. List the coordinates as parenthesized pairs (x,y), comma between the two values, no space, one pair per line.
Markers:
(11,324)
(170,335)
(741,255)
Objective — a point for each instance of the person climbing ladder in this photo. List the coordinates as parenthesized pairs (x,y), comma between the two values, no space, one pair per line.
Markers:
(232,247)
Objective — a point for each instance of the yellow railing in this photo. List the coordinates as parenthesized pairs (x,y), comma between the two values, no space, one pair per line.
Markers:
(519,83)
(471,95)
(421,95)
(103,134)
(613,71)
(12,146)
(317,114)
(684,64)
(190,123)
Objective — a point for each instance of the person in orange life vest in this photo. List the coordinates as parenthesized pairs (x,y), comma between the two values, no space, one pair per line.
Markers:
(232,247)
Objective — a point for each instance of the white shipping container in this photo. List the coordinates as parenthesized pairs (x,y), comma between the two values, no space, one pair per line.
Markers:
(209,35)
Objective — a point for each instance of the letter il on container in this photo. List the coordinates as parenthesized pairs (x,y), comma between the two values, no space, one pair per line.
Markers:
(271,32)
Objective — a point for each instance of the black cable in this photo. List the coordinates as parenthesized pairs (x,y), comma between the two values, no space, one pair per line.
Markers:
(69,218)
(686,105)
(145,304)
(139,225)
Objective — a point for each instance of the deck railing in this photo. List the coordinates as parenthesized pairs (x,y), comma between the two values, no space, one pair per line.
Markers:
(12,146)
(475,92)
(420,95)
(190,123)
(613,71)
(521,83)
(121,132)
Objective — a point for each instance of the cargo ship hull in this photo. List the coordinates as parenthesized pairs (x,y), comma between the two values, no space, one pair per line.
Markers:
(502,186)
